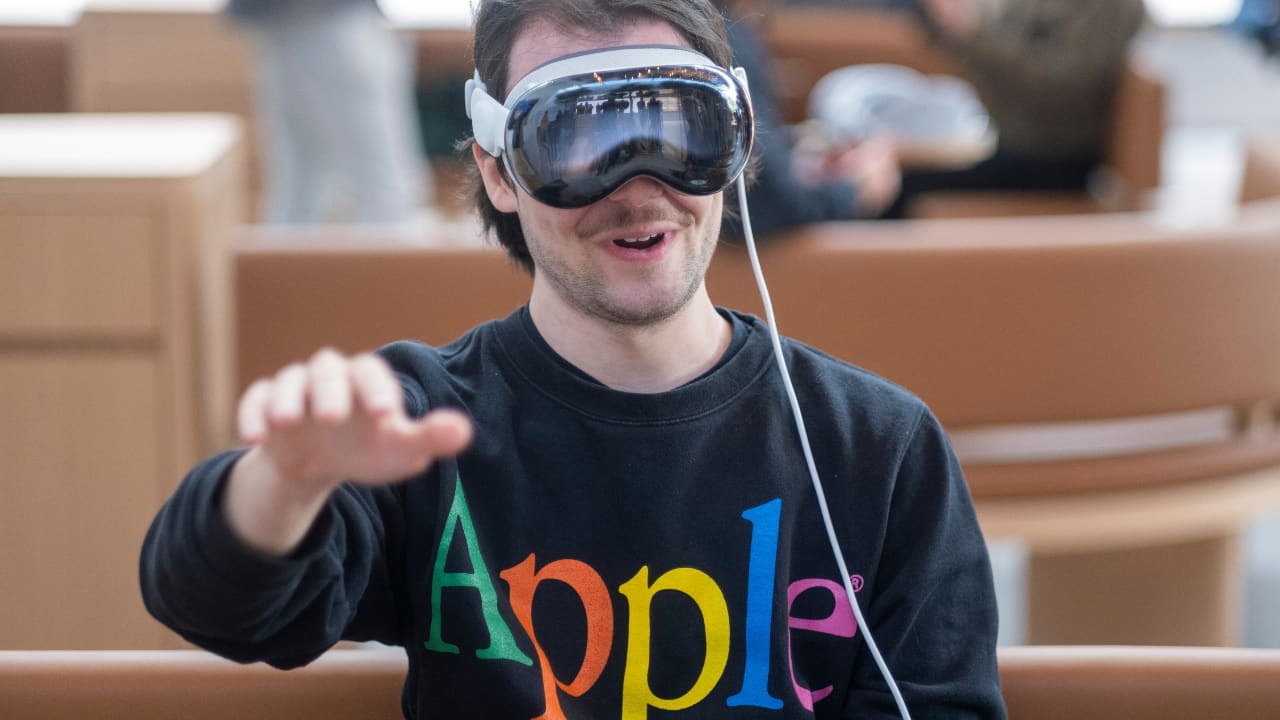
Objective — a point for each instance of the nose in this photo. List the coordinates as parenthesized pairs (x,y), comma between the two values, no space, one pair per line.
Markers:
(639,189)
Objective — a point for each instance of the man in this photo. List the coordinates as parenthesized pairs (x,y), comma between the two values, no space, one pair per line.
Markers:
(1046,71)
(1259,20)
(335,99)
(796,185)
(631,528)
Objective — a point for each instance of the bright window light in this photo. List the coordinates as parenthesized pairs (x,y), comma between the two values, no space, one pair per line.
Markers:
(40,12)
(424,13)
(1193,12)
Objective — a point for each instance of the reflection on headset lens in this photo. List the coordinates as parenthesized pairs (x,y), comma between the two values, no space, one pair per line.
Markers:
(575,140)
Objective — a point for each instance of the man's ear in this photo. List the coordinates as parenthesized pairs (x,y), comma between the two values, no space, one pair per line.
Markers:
(496,186)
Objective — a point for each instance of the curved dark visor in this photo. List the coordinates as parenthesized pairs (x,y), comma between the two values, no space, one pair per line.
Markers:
(576,139)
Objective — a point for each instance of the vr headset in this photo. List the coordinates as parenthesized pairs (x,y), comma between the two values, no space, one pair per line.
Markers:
(576,129)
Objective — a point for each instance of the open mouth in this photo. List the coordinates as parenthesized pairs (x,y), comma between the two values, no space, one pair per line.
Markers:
(643,243)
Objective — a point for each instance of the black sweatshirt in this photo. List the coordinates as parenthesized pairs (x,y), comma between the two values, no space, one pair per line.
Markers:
(603,554)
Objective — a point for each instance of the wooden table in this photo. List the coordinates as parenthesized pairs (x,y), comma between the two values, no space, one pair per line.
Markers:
(35,41)
(113,231)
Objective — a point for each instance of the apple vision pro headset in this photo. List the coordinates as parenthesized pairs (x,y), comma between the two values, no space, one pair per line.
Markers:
(576,129)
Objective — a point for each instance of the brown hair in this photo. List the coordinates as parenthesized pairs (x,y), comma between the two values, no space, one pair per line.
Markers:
(499,22)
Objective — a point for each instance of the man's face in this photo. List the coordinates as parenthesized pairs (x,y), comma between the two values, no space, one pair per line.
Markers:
(634,258)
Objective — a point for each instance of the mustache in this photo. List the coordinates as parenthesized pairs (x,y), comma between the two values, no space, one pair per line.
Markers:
(622,215)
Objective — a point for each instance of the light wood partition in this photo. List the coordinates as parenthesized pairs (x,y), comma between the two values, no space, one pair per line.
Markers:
(373,288)
(149,56)
(113,232)
(144,56)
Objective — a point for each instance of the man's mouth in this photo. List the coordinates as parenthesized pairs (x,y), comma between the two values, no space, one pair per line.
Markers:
(643,243)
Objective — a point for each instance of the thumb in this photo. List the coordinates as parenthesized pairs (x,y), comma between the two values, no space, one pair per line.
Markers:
(442,433)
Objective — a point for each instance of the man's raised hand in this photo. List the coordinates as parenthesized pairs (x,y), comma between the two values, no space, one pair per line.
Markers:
(317,424)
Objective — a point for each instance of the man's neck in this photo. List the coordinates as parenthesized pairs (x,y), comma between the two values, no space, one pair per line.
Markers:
(641,359)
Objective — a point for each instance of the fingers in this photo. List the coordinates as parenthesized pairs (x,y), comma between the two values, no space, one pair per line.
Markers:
(278,400)
(956,17)
(327,389)
(251,416)
(873,168)
(336,418)
(327,403)
(286,403)
(330,387)
(374,386)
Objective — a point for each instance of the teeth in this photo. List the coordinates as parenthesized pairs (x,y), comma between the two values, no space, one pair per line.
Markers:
(641,243)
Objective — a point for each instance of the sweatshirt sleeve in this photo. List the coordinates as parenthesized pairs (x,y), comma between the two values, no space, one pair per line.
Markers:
(201,581)
(779,201)
(932,611)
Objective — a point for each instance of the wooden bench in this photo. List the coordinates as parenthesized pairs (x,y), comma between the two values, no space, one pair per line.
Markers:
(297,291)
(1039,683)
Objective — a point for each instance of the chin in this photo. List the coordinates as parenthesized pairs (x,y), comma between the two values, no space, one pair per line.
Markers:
(653,309)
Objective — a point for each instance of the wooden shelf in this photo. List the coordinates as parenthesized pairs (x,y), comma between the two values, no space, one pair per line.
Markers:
(113,355)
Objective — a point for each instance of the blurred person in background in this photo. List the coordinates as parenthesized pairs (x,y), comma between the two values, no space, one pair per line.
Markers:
(794,187)
(859,4)
(1047,71)
(336,108)
(1259,20)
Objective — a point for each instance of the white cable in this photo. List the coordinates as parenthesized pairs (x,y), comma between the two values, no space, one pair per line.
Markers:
(808,453)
